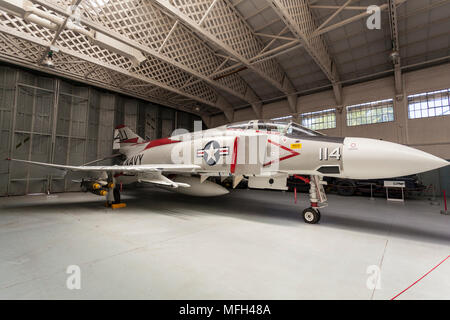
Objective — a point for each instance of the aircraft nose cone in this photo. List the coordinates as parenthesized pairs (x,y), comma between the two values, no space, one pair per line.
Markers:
(376,159)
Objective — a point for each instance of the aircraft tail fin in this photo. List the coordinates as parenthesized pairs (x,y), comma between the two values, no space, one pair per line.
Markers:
(125,137)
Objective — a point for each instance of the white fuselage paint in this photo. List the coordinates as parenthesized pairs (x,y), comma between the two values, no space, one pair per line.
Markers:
(355,158)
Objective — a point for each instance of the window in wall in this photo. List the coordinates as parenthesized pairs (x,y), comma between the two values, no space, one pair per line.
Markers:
(430,104)
(370,113)
(319,120)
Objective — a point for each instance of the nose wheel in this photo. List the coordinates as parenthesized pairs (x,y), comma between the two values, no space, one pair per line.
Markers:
(317,198)
(311,215)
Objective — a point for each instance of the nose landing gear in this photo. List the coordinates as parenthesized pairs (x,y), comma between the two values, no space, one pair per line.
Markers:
(317,197)
(311,215)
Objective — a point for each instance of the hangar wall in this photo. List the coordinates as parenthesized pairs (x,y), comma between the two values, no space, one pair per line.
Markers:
(428,134)
(48,119)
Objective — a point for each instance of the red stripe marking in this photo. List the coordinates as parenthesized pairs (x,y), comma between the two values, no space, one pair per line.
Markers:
(132,140)
(160,142)
(295,195)
(293,153)
(120,126)
(421,278)
(282,147)
(233,162)
(279,160)
(305,180)
(268,132)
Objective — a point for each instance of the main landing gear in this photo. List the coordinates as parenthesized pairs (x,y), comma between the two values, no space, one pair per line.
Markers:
(116,194)
(113,196)
(317,197)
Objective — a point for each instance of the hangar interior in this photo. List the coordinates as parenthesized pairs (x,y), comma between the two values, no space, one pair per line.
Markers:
(72,70)
(49,119)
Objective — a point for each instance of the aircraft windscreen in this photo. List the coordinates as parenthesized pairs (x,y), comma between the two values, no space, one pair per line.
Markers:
(240,125)
(276,127)
(298,130)
(282,127)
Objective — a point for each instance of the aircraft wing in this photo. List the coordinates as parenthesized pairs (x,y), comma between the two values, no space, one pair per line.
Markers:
(124,169)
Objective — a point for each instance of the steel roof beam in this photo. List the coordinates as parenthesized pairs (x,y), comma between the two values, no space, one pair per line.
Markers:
(391,6)
(355,8)
(247,95)
(298,17)
(395,55)
(82,58)
(72,8)
(241,48)
(357,17)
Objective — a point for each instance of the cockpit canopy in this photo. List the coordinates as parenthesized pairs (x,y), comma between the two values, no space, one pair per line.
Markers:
(279,127)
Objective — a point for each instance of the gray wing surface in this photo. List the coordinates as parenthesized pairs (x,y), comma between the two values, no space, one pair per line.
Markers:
(115,168)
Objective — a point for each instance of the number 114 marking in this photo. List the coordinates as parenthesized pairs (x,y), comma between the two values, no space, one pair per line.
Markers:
(324,155)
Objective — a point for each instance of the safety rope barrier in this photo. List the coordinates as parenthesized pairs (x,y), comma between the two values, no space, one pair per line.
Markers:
(420,278)
(361,185)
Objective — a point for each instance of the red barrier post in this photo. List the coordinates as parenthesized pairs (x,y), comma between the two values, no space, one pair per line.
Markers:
(295,195)
(445,201)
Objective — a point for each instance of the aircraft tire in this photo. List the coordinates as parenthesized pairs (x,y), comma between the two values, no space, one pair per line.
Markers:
(311,215)
(116,193)
(346,189)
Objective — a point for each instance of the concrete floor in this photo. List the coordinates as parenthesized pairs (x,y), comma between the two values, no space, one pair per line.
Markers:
(250,244)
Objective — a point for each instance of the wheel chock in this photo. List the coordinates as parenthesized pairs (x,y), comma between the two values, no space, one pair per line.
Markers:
(118,205)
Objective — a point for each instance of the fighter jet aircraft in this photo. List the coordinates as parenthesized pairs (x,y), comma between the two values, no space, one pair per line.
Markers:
(264,152)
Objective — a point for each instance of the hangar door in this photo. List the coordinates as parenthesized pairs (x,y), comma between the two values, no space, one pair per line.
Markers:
(47,119)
